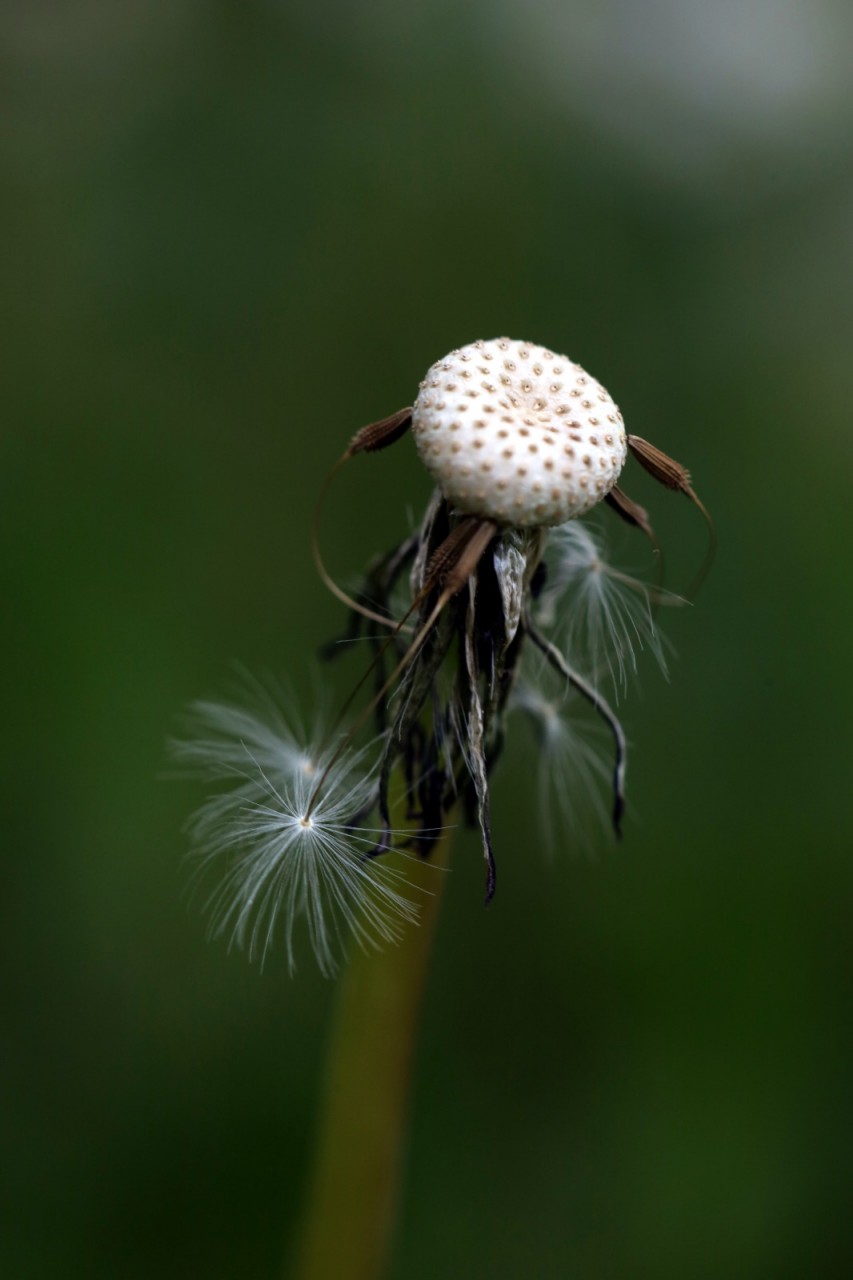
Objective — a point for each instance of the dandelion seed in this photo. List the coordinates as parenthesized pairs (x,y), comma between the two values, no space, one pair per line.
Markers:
(601,615)
(573,772)
(284,861)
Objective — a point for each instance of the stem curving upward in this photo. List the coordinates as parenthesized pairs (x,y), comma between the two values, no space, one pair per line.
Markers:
(349,1220)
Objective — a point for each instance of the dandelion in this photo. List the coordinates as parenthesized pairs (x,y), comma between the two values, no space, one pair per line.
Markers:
(521,443)
(305,832)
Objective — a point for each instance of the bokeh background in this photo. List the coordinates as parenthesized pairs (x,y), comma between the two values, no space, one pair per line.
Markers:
(232,234)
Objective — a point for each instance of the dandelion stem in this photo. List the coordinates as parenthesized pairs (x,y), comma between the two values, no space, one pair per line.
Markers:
(349,1220)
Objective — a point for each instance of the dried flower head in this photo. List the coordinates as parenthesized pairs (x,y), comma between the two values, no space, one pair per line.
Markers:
(520,442)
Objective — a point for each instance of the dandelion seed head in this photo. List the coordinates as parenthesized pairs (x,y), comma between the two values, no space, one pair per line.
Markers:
(514,433)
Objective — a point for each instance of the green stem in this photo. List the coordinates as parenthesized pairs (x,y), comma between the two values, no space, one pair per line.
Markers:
(352,1198)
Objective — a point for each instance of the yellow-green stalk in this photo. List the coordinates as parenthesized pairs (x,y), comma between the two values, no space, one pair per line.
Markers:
(347,1229)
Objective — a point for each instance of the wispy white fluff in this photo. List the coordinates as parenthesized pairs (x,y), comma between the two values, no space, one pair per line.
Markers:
(277,864)
(574,771)
(602,616)
(258,724)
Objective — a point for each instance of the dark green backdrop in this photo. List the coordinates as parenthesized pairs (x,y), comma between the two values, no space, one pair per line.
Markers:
(233,233)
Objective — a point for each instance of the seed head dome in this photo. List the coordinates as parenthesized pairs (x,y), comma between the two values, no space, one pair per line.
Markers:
(514,433)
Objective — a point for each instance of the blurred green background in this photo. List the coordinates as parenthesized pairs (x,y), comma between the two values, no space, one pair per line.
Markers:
(235,232)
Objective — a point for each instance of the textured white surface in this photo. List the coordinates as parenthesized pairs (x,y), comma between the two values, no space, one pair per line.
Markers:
(512,432)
